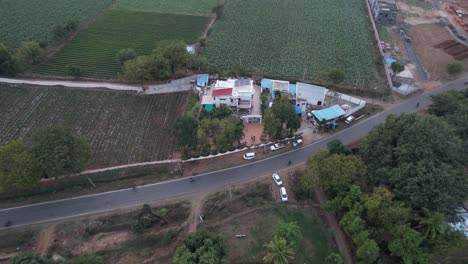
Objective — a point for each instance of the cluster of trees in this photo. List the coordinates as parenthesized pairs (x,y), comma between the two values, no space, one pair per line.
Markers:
(218,128)
(169,57)
(409,179)
(281,120)
(51,152)
(200,247)
(284,244)
(28,258)
(397,67)
(61,32)
(26,54)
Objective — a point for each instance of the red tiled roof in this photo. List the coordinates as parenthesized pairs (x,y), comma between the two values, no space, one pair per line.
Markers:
(221,92)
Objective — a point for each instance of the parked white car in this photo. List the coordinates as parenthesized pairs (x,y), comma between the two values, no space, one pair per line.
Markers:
(284,195)
(297,142)
(276,147)
(349,120)
(249,156)
(277,179)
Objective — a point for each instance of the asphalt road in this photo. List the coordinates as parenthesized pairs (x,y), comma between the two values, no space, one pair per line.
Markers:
(44,212)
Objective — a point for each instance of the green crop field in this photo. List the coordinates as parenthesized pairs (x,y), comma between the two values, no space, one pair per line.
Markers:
(201,7)
(94,50)
(30,19)
(294,38)
(121,128)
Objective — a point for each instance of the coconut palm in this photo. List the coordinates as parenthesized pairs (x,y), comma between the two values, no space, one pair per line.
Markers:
(432,224)
(279,251)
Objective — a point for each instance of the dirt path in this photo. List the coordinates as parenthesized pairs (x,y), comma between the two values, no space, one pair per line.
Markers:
(340,238)
(44,240)
(194,218)
(207,28)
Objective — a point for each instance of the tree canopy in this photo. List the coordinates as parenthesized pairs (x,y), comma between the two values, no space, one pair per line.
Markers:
(290,231)
(336,147)
(279,251)
(7,63)
(17,167)
(200,247)
(187,130)
(28,258)
(58,151)
(419,158)
(124,55)
(281,119)
(332,171)
(27,54)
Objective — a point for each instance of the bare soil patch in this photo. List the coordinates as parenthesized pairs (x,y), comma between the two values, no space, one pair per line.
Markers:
(425,37)
(45,240)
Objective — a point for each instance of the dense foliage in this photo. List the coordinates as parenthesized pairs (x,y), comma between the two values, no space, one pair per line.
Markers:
(58,151)
(295,39)
(200,247)
(454,68)
(22,20)
(94,50)
(17,167)
(453,108)
(281,120)
(420,158)
(398,208)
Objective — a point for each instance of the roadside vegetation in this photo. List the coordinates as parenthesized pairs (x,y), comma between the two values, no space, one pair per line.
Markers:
(51,152)
(395,197)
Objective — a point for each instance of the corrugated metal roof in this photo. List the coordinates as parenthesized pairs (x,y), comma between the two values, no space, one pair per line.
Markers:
(329,113)
(308,91)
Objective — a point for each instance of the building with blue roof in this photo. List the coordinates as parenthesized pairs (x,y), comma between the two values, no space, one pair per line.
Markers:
(329,114)
(202,79)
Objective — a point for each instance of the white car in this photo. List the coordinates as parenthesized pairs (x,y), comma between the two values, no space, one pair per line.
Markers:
(284,195)
(276,147)
(349,120)
(297,142)
(277,179)
(249,156)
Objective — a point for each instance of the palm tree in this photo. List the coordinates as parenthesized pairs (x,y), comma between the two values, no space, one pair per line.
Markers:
(279,251)
(432,224)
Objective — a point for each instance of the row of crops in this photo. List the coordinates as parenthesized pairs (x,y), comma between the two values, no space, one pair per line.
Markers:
(94,50)
(28,19)
(198,7)
(294,38)
(121,128)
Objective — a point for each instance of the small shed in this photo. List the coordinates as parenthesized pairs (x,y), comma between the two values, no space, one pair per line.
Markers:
(202,80)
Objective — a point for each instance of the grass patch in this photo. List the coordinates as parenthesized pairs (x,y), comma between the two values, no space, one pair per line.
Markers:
(94,50)
(384,34)
(259,226)
(12,239)
(22,20)
(199,7)
(294,38)
(121,128)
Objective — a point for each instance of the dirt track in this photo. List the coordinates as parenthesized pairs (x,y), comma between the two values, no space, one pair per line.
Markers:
(340,238)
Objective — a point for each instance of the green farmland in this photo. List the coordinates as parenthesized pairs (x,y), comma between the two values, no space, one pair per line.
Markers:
(28,19)
(121,128)
(94,50)
(294,38)
(200,7)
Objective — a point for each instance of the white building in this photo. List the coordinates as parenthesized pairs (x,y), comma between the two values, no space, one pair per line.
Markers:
(235,93)
(310,94)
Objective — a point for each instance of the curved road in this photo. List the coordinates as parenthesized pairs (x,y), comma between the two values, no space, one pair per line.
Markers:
(54,210)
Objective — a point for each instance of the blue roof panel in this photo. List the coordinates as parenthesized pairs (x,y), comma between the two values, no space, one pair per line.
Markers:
(266,83)
(202,80)
(329,113)
(292,88)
